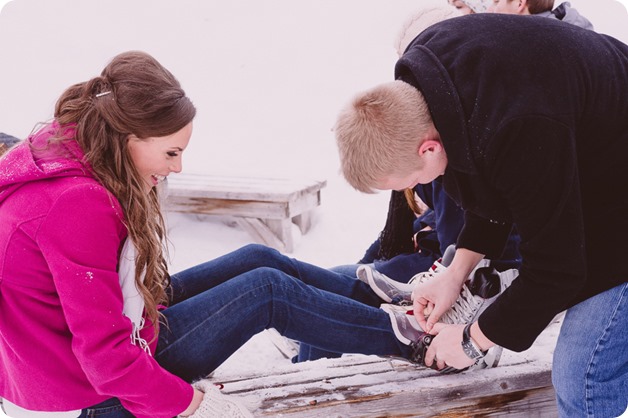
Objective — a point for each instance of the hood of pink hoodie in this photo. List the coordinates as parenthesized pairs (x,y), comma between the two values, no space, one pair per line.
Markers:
(37,159)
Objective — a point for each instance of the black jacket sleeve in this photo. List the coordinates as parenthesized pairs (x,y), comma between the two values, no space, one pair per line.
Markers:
(483,235)
(532,163)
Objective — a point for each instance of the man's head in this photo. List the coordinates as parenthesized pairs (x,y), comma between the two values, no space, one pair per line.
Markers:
(387,140)
(521,7)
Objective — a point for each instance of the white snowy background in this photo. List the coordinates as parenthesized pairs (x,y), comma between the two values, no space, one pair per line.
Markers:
(268,78)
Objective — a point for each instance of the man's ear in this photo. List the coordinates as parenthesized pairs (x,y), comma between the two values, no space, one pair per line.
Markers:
(431,142)
(430,146)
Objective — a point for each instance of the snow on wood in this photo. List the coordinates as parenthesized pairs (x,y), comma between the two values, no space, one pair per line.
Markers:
(357,385)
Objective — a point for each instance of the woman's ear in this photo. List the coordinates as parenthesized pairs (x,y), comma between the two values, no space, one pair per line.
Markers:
(130,137)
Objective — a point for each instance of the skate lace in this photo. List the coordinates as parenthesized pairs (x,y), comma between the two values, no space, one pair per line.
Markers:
(464,309)
(422,277)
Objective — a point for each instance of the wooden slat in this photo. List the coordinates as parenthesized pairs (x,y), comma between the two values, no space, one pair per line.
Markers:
(369,386)
(374,389)
(241,188)
(265,207)
(241,208)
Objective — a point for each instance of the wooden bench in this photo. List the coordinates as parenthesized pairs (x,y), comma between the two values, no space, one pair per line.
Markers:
(265,207)
(369,386)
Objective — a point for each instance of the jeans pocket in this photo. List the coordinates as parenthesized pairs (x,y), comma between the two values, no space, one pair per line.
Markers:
(109,409)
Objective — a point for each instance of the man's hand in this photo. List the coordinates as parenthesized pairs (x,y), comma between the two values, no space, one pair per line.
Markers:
(432,299)
(446,347)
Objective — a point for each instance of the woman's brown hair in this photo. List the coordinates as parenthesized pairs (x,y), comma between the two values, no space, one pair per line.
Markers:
(134,95)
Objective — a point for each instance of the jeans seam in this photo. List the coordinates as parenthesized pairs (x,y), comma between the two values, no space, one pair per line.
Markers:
(595,352)
(95,412)
(200,324)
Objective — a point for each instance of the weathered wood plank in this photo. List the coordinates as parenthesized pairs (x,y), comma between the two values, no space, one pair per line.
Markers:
(264,207)
(241,188)
(377,388)
(244,208)
(369,386)
(240,208)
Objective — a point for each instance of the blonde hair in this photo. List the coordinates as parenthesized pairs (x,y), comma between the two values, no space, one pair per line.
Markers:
(378,133)
(134,95)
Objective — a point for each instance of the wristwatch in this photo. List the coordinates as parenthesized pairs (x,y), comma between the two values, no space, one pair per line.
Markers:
(469,347)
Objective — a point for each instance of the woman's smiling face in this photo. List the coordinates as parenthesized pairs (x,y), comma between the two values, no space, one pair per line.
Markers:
(156,157)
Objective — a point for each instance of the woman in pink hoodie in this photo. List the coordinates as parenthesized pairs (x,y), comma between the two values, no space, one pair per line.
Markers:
(73,299)
(83,276)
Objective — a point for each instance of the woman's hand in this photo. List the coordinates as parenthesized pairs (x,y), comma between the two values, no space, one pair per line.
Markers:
(196,401)
(213,403)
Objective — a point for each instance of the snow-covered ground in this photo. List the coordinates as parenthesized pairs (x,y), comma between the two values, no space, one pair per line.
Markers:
(268,78)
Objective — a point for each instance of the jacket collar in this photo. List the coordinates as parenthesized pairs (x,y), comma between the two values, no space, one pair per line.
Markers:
(423,70)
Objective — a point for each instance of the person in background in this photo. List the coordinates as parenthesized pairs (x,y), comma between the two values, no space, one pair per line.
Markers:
(515,143)
(542,8)
(470,6)
(6,142)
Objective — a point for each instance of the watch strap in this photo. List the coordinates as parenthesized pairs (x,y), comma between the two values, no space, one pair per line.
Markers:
(469,346)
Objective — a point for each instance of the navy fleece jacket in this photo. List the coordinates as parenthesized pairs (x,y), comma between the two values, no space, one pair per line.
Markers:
(533,115)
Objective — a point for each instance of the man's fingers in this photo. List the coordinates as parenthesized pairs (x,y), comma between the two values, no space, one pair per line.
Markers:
(424,313)
(437,328)
(430,356)
(440,364)
(428,309)
(419,306)
(435,315)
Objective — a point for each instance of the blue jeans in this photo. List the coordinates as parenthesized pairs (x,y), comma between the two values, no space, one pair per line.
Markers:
(309,353)
(590,368)
(218,305)
(110,408)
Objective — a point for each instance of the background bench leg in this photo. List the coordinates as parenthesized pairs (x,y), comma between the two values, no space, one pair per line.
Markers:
(303,221)
(282,229)
(274,233)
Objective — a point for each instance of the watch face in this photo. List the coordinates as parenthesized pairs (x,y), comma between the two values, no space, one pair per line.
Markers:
(470,351)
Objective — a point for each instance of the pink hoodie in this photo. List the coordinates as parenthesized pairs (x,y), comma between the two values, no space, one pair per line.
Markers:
(64,343)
